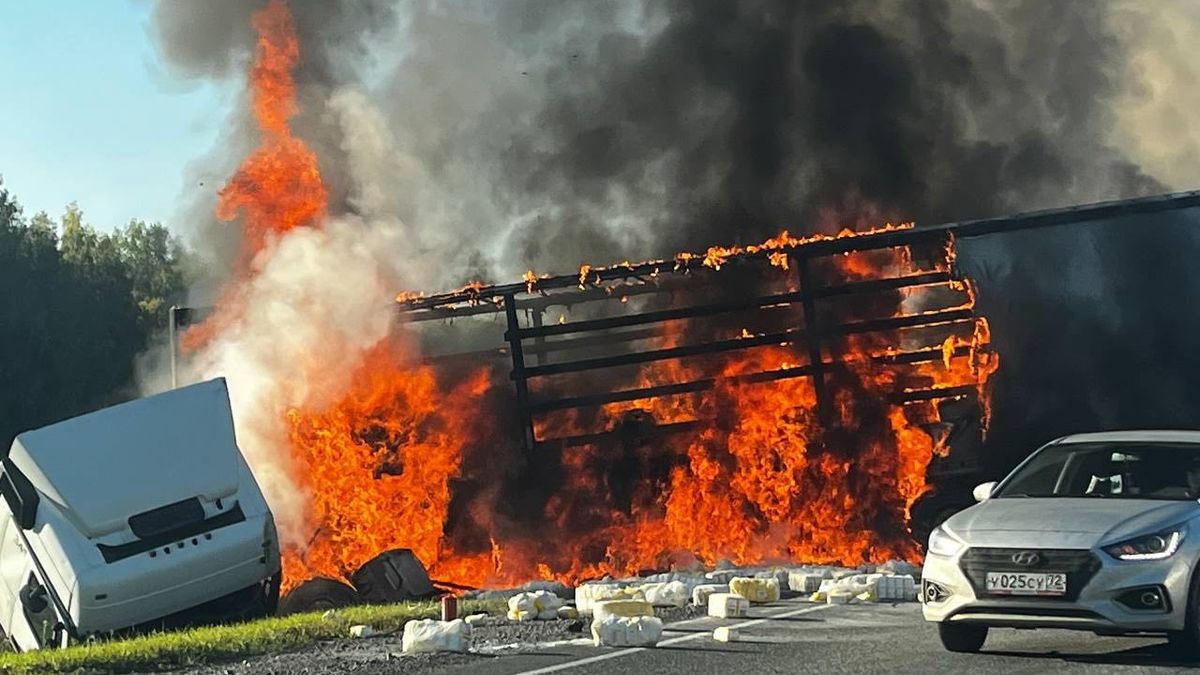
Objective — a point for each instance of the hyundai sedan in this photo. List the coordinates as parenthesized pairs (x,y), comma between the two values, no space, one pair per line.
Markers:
(1095,532)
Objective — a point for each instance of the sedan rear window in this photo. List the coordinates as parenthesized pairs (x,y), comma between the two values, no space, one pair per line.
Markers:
(1168,471)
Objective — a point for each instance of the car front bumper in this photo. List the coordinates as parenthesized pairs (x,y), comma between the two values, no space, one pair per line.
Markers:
(949,596)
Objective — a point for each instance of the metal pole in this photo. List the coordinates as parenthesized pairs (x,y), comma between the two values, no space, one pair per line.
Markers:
(513,335)
(812,334)
(174,346)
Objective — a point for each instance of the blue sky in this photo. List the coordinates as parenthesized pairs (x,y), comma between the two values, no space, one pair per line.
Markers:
(87,114)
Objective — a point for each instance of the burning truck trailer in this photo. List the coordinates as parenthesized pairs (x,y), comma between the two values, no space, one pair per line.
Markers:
(864,329)
(839,384)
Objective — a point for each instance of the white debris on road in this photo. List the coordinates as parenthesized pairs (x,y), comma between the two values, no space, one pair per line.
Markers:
(540,605)
(627,608)
(728,605)
(627,631)
(591,593)
(867,588)
(666,594)
(431,635)
(361,631)
(756,590)
(808,581)
(700,593)
(568,612)
(725,634)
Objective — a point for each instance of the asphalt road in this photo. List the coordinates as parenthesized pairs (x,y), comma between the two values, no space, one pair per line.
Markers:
(796,637)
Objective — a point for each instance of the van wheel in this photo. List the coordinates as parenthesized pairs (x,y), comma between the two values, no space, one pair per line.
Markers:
(962,637)
(318,594)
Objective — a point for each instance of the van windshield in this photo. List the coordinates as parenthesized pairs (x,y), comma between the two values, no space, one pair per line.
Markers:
(1168,471)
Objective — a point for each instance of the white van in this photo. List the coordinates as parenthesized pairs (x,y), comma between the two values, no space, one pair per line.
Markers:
(143,515)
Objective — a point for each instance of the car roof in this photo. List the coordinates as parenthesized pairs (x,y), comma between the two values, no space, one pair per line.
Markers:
(1133,436)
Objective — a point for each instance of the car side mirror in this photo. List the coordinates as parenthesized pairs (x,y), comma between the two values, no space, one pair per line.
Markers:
(983,490)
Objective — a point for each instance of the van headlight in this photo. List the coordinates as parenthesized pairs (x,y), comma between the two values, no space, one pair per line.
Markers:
(1154,546)
(943,543)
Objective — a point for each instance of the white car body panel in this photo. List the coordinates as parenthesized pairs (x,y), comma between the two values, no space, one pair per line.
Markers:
(92,474)
(1083,525)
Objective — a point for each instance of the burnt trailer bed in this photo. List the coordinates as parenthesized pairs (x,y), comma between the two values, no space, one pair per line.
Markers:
(619,316)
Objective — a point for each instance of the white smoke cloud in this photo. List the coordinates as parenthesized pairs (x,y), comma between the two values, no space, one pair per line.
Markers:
(319,298)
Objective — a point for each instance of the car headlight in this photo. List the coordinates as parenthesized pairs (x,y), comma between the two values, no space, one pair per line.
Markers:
(1154,546)
(942,543)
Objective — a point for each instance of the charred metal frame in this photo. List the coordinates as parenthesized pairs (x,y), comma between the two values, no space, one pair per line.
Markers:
(534,297)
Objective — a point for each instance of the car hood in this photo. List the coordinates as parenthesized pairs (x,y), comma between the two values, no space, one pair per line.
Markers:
(1065,522)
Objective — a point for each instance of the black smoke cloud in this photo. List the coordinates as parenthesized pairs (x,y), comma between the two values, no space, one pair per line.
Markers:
(541,134)
(705,121)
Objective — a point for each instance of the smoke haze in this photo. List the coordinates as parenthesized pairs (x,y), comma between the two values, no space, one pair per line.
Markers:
(475,140)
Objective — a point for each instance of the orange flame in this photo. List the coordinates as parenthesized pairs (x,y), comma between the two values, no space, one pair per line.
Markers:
(760,479)
(278,187)
(409,456)
(378,465)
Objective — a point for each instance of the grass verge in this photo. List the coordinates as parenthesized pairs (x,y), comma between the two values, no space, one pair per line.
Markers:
(214,644)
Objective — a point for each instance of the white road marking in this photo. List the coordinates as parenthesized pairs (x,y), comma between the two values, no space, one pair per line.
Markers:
(671,641)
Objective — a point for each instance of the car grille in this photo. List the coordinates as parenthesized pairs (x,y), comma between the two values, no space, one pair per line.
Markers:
(1078,564)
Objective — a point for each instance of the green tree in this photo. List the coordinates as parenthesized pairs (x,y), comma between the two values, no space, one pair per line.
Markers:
(76,308)
(153,259)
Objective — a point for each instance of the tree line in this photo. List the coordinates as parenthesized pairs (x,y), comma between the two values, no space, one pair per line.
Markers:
(77,307)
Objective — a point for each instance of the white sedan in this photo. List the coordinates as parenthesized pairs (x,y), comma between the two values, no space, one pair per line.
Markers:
(1094,532)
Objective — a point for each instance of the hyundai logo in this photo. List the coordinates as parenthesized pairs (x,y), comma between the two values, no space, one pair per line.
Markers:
(1027,558)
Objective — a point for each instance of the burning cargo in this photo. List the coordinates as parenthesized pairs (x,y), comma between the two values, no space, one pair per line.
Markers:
(814,400)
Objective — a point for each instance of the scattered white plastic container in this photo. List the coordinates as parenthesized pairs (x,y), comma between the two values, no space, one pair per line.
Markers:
(838,596)
(867,588)
(431,635)
(627,631)
(700,593)
(779,574)
(725,634)
(897,588)
(666,594)
(755,590)
(728,605)
(802,582)
(541,605)
(721,576)
(589,594)
(568,612)
(627,608)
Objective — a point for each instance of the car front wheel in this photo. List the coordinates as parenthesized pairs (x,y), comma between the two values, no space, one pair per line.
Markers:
(962,637)
(1185,644)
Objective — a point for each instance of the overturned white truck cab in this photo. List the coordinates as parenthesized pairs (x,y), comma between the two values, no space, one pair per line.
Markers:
(143,515)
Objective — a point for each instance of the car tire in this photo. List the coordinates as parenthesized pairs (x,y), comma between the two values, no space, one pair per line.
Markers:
(1185,644)
(965,638)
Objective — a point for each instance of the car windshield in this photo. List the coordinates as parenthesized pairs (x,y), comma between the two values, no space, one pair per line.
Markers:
(1112,470)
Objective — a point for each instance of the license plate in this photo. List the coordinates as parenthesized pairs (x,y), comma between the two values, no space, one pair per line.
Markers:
(1026,583)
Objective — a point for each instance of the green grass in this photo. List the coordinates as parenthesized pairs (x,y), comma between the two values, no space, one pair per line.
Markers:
(214,644)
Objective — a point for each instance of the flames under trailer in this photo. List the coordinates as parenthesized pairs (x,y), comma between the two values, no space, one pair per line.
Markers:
(534,347)
(140,516)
